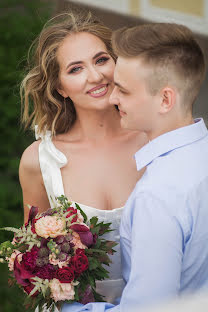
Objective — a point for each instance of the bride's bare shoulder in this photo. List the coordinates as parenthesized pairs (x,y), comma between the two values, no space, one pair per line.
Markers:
(30,159)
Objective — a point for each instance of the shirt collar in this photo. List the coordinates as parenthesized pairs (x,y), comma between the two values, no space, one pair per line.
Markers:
(170,141)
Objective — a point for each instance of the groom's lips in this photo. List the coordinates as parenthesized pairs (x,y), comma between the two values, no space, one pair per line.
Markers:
(122,113)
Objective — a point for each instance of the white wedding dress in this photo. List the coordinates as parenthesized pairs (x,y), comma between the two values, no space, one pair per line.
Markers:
(51,161)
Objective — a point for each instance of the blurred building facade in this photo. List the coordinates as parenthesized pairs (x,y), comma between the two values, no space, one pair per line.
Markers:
(192,13)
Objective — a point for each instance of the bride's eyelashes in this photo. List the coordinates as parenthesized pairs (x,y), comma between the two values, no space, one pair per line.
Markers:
(100,60)
(75,70)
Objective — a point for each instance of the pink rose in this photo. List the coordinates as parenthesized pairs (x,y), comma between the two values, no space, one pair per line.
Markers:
(12,258)
(77,241)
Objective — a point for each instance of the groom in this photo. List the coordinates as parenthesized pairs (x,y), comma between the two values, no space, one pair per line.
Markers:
(164,228)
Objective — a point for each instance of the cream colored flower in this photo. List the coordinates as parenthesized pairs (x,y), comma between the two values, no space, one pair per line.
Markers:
(12,258)
(61,291)
(50,226)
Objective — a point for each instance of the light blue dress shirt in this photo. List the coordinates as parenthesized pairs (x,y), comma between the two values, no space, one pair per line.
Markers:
(164,226)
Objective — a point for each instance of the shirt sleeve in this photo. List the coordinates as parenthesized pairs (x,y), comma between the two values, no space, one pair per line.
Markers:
(156,257)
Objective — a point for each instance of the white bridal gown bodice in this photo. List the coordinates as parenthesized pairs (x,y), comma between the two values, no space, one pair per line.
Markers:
(51,161)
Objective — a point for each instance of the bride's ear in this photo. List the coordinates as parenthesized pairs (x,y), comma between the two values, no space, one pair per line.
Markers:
(61,91)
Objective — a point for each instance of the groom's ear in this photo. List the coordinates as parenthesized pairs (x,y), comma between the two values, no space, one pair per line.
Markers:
(168,99)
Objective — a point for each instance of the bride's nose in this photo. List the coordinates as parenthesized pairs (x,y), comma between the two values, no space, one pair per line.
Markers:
(94,75)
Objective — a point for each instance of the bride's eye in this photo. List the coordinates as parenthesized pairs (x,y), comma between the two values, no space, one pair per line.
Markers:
(75,70)
(102,60)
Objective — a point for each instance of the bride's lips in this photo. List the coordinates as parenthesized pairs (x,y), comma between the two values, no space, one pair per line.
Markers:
(98,91)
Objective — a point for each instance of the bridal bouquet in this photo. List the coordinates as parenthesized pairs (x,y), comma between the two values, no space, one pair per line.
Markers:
(58,255)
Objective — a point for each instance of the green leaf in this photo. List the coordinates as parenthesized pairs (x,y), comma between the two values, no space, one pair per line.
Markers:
(95,230)
(63,200)
(97,250)
(105,228)
(76,296)
(104,259)
(93,221)
(92,281)
(6,249)
(93,263)
(98,244)
(82,212)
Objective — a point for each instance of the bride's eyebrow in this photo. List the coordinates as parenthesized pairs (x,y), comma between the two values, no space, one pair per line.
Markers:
(74,63)
(80,62)
(98,54)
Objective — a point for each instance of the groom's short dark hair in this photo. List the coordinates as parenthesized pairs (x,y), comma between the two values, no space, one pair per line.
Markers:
(170,50)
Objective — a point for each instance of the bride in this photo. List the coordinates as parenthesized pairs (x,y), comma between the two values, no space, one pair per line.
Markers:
(81,151)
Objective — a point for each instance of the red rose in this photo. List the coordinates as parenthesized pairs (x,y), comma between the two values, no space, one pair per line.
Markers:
(79,262)
(65,274)
(45,272)
(72,211)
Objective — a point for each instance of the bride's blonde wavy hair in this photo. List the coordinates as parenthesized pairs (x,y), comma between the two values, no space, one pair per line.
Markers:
(42,105)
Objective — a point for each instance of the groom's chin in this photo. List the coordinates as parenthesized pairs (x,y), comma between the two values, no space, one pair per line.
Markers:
(125,124)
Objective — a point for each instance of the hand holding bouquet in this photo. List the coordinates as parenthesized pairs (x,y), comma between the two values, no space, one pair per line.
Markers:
(58,256)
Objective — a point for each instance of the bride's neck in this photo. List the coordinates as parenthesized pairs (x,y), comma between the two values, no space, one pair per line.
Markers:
(96,125)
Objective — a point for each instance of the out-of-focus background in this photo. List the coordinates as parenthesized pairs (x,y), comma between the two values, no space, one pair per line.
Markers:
(20,23)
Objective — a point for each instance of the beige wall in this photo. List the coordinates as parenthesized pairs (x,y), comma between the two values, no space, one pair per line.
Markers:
(192,13)
(192,7)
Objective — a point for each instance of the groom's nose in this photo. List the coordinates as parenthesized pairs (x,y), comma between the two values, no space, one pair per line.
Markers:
(114,97)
